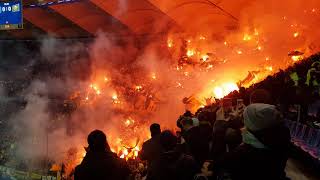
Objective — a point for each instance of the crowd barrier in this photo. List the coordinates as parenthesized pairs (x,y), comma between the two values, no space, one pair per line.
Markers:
(305,137)
(22,175)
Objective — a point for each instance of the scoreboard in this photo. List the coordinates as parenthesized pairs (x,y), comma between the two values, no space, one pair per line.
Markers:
(11,14)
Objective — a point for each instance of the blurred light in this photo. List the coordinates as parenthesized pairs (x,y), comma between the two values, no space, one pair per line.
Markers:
(138,88)
(115,96)
(218,92)
(296,34)
(170,43)
(269,68)
(190,53)
(205,57)
(225,89)
(246,37)
(296,58)
(202,38)
(153,76)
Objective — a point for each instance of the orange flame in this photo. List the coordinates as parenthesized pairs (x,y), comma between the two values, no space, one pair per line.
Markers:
(224,89)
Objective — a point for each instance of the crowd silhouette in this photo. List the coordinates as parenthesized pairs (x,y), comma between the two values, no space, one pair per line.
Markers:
(243,136)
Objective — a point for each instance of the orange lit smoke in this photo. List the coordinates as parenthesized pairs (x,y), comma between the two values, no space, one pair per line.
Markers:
(201,63)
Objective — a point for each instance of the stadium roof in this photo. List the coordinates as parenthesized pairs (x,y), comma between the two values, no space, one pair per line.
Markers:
(84,18)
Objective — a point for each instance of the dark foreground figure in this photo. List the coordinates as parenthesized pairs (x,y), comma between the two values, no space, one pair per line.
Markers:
(100,163)
(264,151)
(152,148)
(172,164)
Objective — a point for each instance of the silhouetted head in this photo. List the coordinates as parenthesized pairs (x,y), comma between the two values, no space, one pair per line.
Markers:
(97,141)
(168,140)
(188,114)
(187,123)
(260,96)
(155,129)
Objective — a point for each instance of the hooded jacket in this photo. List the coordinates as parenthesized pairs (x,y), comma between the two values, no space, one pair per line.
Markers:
(264,152)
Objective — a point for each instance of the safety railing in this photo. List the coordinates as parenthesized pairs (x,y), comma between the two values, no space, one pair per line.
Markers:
(305,137)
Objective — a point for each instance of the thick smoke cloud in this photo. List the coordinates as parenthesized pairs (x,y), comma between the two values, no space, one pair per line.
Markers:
(62,68)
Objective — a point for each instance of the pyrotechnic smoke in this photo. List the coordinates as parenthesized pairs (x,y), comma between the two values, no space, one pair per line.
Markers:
(80,87)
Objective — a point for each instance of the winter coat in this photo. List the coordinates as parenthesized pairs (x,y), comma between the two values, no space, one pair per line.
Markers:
(197,142)
(101,166)
(174,165)
(151,151)
(248,162)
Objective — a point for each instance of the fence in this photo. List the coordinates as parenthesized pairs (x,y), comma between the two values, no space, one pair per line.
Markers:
(305,137)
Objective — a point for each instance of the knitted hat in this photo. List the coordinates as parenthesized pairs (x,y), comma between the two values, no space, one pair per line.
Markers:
(260,116)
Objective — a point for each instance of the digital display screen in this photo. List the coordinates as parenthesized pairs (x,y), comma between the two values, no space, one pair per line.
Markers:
(11,14)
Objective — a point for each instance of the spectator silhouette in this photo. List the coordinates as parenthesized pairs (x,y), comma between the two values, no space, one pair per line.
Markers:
(100,163)
(172,164)
(263,154)
(151,149)
(196,140)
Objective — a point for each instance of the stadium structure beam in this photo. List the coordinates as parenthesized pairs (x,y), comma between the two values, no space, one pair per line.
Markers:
(140,16)
(53,23)
(91,18)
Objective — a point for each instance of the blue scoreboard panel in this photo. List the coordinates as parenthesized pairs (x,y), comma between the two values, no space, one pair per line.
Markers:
(11,14)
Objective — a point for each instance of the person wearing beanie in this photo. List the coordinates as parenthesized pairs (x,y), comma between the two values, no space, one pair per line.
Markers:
(99,162)
(196,140)
(264,151)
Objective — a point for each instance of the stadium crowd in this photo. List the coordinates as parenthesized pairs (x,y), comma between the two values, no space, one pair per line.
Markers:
(242,136)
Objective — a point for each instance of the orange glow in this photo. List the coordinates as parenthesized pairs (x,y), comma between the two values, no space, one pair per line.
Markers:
(202,38)
(114,96)
(129,122)
(138,88)
(205,57)
(269,68)
(224,89)
(296,58)
(170,43)
(239,52)
(296,34)
(153,76)
(246,37)
(256,32)
(190,53)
